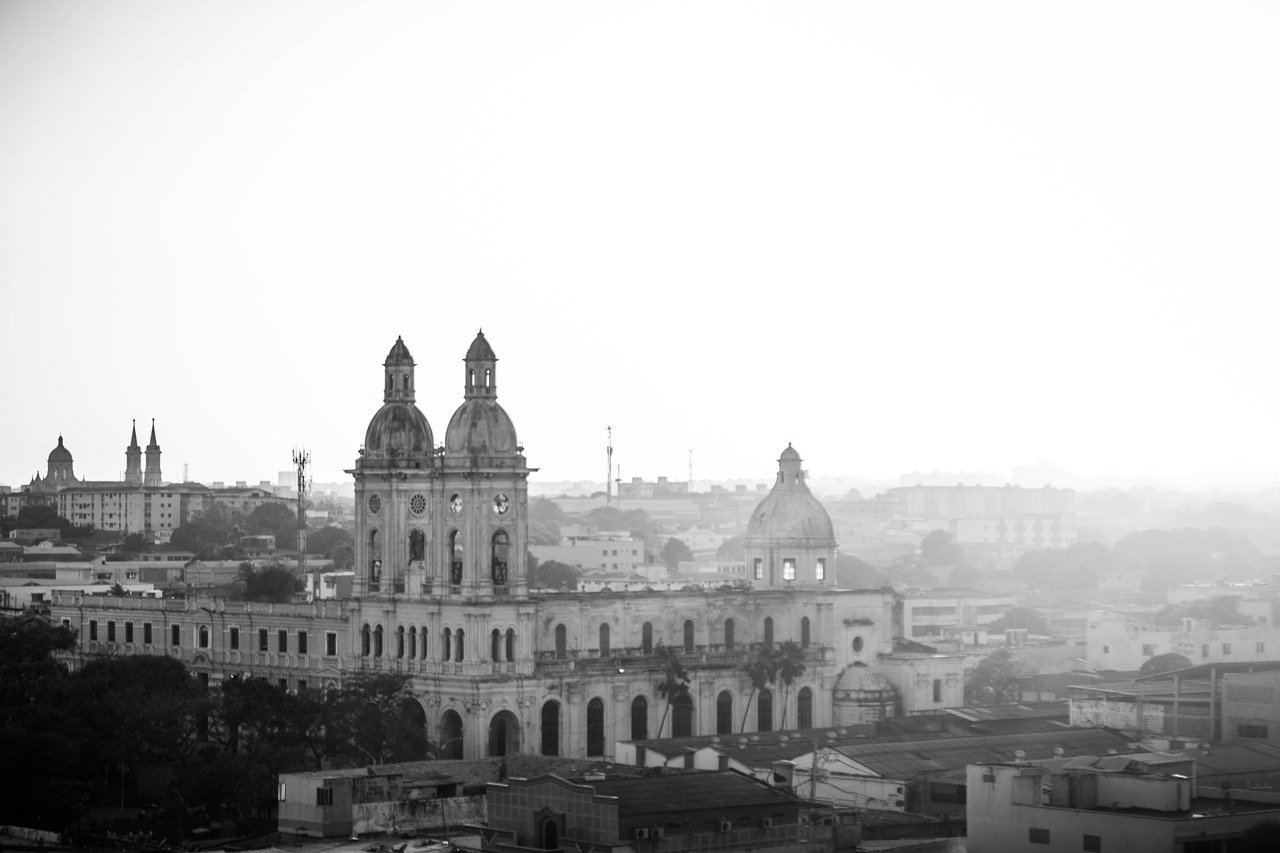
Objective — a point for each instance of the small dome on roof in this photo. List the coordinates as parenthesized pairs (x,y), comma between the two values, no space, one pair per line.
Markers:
(398,430)
(60,453)
(790,454)
(790,511)
(480,349)
(480,427)
(862,682)
(399,353)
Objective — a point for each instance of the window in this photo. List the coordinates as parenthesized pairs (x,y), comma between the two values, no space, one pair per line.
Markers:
(562,642)
(377,641)
(595,727)
(768,632)
(1092,843)
(1148,651)
(788,568)
(283,684)
(146,633)
(511,644)
(764,711)
(820,569)
(639,718)
(1226,648)
(1259,647)
(413,641)
(804,632)
(728,634)
(724,713)
(688,635)
(93,629)
(1252,732)
(1204,650)
(175,635)
(604,640)
(448,643)
(1039,836)
(302,642)
(202,635)
(499,561)
(646,638)
(263,644)
(758,569)
(495,645)
(400,641)
(331,643)
(460,647)
(111,630)
(128,632)
(365,641)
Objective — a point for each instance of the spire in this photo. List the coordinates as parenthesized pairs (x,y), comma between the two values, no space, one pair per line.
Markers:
(133,440)
(481,378)
(153,436)
(152,476)
(133,459)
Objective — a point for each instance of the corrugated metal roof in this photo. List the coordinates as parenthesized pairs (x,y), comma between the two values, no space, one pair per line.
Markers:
(685,791)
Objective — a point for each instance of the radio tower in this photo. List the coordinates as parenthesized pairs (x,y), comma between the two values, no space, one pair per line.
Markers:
(608,477)
(301,459)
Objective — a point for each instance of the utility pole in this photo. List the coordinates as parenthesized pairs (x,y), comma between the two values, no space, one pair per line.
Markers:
(608,481)
(301,459)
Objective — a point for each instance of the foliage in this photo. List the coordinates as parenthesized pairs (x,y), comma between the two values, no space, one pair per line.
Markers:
(1164,663)
(552,575)
(1171,557)
(136,543)
(1220,610)
(762,670)
(1075,567)
(275,519)
(201,537)
(940,548)
(790,666)
(273,584)
(545,520)
(326,539)
(853,573)
(28,647)
(674,552)
(639,522)
(1020,617)
(993,680)
(732,549)
(675,678)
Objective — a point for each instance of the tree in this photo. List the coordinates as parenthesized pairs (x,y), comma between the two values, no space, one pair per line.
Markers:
(275,519)
(732,549)
(326,539)
(553,574)
(1164,663)
(993,681)
(675,679)
(790,662)
(853,573)
(136,543)
(1221,610)
(273,584)
(29,645)
(940,548)
(674,551)
(202,538)
(762,670)
(1020,617)
(367,721)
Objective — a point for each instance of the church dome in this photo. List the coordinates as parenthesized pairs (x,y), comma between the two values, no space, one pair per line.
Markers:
(480,427)
(480,349)
(399,353)
(398,430)
(790,511)
(861,683)
(59,454)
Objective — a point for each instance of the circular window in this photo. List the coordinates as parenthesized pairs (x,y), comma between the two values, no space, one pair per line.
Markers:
(375,504)
(418,504)
(857,645)
(455,504)
(501,504)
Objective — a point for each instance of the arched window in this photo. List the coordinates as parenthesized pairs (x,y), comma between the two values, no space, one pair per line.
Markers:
(764,711)
(728,635)
(639,718)
(724,713)
(804,708)
(417,545)
(391,382)
(688,635)
(422,652)
(364,641)
(471,379)
(405,382)
(804,632)
(511,644)
(682,716)
(595,727)
(562,642)
(488,378)
(450,735)
(455,557)
(204,636)
(460,646)
(498,565)
(646,638)
(604,639)
(495,645)
(377,642)
(448,644)
(375,557)
(413,642)
(400,642)
(551,728)
(768,632)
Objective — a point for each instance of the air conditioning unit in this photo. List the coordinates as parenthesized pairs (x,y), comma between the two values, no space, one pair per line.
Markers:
(657,832)
(767,823)
(642,832)
(726,826)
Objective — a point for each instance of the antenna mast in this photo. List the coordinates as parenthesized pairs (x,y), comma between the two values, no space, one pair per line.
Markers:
(690,470)
(301,459)
(608,483)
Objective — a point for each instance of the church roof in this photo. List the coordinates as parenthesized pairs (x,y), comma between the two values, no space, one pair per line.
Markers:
(790,511)
(480,349)
(399,353)
(60,453)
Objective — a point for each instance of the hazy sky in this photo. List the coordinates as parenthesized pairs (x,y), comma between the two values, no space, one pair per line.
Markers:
(900,235)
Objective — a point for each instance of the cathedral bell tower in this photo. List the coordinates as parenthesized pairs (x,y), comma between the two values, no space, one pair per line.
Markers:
(152,475)
(133,460)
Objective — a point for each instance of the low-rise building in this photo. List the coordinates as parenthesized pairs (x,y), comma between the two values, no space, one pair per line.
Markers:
(927,613)
(1125,641)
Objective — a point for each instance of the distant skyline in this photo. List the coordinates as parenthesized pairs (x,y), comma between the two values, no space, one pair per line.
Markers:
(902,237)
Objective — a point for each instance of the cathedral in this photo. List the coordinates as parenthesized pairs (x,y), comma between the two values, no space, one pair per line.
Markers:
(442,595)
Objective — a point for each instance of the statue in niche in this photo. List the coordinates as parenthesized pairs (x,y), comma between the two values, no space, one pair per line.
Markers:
(417,546)
(455,574)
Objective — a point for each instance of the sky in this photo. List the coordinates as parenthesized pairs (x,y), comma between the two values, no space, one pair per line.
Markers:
(901,236)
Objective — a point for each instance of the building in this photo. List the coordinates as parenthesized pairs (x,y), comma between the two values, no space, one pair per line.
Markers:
(1125,641)
(585,548)
(441,594)
(638,489)
(1140,803)
(927,615)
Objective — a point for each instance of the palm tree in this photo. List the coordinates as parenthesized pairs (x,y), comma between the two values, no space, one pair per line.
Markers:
(675,679)
(790,659)
(762,670)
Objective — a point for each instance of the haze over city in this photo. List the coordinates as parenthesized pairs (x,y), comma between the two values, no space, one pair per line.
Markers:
(904,238)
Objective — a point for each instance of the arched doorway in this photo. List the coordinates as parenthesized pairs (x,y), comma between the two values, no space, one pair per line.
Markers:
(724,713)
(450,742)
(639,718)
(504,734)
(412,713)
(764,711)
(551,728)
(682,716)
(595,727)
(804,708)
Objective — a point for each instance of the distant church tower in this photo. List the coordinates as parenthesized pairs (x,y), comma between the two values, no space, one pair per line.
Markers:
(152,476)
(133,460)
(61,467)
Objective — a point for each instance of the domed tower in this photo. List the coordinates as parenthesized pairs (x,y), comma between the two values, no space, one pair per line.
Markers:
(61,467)
(790,540)
(152,475)
(133,460)
(486,488)
(396,492)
